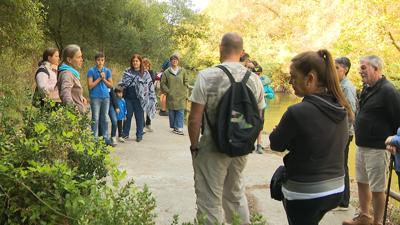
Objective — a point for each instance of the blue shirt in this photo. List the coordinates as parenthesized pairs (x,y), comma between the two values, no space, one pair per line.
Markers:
(101,89)
(122,109)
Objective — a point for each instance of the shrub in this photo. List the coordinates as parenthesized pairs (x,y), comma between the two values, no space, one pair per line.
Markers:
(53,171)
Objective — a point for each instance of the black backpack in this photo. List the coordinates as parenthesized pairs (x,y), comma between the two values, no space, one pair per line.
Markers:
(37,99)
(238,123)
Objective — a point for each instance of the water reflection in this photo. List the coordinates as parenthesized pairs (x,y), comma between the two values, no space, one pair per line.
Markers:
(276,107)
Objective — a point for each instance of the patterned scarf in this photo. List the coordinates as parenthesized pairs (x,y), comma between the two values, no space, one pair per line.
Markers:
(144,90)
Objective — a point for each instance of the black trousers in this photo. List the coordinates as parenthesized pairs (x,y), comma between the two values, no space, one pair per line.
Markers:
(310,211)
(148,120)
(346,193)
(119,126)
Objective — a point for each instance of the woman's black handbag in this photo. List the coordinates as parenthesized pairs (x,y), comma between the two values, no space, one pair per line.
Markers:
(276,183)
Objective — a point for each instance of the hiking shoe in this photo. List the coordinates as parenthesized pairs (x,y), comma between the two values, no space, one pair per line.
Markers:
(179,131)
(114,140)
(121,139)
(109,143)
(360,219)
(138,139)
(163,113)
(150,128)
(259,149)
(125,137)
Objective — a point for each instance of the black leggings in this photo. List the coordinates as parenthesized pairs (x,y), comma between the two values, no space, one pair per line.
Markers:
(310,211)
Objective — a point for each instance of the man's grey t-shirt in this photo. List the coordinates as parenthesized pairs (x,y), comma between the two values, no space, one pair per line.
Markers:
(210,86)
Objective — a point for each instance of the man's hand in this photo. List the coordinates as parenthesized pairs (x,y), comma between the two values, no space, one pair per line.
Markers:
(124,119)
(392,149)
(117,111)
(102,75)
(388,140)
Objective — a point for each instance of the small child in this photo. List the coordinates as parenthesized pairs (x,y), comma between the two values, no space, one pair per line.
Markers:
(119,91)
(268,93)
(393,145)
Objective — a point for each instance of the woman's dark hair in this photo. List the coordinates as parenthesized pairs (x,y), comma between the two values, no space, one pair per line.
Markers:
(344,62)
(139,57)
(321,63)
(147,61)
(48,52)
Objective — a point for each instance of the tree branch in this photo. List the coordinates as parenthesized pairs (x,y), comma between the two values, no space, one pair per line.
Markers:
(393,41)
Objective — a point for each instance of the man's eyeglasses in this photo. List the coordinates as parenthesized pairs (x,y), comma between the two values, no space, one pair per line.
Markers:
(250,68)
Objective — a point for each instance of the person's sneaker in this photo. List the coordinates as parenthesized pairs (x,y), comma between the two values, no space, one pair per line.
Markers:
(125,137)
(114,140)
(150,128)
(360,219)
(144,131)
(121,139)
(138,139)
(163,113)
(340,209)
(109,143)
(259,149)
(179,131)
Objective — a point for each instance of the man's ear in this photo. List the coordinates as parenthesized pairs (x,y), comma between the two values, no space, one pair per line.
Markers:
(242,53)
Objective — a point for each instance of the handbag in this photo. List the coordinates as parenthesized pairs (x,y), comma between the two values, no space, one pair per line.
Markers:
(276,183)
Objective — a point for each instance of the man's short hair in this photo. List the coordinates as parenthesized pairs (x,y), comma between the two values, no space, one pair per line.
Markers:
(244,57)
(373,61)
(344,62)
(99,55)
(118,89)
(232,43)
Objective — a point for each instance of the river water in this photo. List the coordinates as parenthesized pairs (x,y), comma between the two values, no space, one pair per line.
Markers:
(277,106)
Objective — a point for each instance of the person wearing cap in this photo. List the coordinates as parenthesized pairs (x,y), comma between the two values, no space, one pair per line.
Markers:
(174,83)
(268,93)
(164,67)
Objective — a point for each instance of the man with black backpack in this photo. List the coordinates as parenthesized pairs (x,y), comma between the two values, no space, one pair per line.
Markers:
(226,105)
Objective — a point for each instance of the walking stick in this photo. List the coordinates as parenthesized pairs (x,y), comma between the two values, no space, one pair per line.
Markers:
(388,187)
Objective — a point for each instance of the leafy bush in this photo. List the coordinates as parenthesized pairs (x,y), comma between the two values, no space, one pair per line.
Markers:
(53,171)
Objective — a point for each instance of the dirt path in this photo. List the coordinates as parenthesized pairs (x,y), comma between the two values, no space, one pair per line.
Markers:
(162,160)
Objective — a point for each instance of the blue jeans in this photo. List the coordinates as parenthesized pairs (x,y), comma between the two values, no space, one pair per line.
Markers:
(133,106)
(176,118)
(100,107)
(113,118)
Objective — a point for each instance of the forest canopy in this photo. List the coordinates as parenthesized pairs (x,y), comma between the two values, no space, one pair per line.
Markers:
(273,31)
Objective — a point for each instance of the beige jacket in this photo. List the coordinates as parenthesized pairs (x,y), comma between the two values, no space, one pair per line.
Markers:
(70,89)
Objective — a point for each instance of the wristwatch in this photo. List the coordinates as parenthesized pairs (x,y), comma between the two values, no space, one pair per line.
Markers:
(193,149)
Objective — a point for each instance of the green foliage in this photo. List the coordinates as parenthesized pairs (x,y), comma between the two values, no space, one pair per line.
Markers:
(52,171)
(20,25)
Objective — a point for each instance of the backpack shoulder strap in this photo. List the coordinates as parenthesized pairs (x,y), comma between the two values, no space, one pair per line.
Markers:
(246,77)
(227,73)
(42,70)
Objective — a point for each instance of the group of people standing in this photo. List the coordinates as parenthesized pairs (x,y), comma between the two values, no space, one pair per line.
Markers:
(316,132)
(134,94)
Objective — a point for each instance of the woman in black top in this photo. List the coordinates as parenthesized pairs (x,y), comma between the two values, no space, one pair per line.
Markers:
(315,132)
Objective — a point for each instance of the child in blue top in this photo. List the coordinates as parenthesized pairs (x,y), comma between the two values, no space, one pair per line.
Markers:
(99,79)
(393,145)
(119,92)
(268,93)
